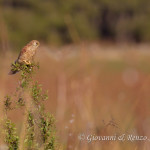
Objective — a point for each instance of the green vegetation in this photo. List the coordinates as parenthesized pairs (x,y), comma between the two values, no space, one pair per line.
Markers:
(38,131)
(59,22)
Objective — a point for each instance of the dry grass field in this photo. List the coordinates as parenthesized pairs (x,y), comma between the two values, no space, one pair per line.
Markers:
(95,90)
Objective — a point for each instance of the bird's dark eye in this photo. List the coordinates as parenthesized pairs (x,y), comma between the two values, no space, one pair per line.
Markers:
(36,43)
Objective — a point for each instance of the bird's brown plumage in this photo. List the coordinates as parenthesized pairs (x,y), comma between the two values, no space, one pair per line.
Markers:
(27,53)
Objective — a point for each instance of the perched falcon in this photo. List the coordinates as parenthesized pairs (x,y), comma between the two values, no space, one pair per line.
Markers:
(26,54)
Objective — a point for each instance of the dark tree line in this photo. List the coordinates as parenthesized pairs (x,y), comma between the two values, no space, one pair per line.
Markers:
(59,22)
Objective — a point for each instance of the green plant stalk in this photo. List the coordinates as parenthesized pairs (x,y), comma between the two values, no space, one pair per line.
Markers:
(38,127)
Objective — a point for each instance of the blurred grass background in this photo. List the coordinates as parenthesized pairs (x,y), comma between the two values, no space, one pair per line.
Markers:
(93,89)
(94,61)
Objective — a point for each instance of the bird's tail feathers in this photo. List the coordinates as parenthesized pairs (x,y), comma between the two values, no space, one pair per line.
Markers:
(13,72)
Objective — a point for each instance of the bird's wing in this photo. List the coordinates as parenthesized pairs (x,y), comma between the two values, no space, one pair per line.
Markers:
(22,52)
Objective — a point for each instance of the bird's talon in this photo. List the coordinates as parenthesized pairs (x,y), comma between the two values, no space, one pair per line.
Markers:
(27,62)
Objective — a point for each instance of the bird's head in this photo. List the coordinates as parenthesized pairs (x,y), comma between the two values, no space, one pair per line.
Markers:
(35,43)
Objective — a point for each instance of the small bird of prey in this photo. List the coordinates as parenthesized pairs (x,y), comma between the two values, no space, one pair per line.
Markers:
(26,55)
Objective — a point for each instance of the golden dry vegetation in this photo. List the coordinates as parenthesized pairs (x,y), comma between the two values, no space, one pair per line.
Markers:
(94,89)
